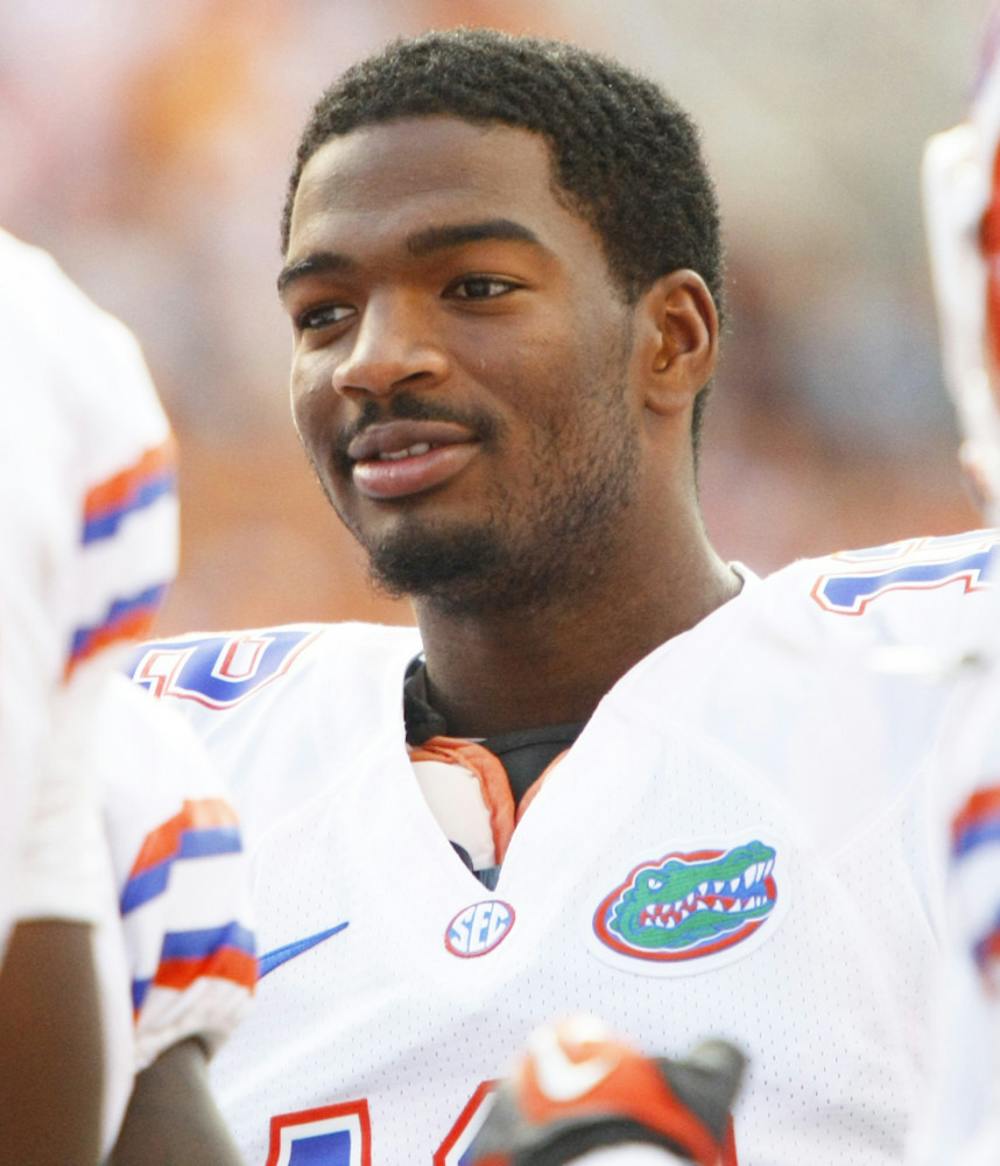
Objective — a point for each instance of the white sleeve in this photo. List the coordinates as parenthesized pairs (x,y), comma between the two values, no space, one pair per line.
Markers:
(174,948)
(88,514)
(184,883)
(961,1121)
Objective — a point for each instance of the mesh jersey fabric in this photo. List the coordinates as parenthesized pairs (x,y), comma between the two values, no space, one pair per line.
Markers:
(770,730)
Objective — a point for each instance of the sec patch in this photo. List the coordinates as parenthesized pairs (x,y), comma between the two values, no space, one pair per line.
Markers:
(688,910)
(479,928)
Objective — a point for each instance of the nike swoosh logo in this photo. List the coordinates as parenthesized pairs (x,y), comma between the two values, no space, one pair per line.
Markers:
(281,955)
(560,1077)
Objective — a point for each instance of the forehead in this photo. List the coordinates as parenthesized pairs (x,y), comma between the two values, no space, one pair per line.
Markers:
(390,179)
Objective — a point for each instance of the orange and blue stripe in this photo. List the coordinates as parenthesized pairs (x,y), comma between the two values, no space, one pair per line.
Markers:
(202,829)
(223,953)
(110,502)
(986,950)
(975,828)
(126,619)
(977,823)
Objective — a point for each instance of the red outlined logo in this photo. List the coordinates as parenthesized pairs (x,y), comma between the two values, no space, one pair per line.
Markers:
(479,928)
(692,909)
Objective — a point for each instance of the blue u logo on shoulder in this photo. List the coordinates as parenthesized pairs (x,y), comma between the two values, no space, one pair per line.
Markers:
(479,928)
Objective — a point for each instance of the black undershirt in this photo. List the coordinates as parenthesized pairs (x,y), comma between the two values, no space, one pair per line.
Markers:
(524,753)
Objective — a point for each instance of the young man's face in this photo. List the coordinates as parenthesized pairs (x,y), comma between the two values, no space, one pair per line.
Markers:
(461,361)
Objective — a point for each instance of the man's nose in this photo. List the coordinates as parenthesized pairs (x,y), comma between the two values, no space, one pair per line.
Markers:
(393,346)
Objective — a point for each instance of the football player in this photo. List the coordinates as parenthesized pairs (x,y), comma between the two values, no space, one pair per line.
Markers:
(608,771)
(123,921)
(962,207)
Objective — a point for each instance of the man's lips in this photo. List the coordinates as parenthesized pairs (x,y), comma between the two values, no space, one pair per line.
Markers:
(398,458)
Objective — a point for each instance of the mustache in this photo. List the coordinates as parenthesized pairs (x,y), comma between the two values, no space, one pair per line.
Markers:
(408,407)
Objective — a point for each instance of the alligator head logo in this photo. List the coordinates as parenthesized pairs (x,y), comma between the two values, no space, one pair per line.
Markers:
(686,906)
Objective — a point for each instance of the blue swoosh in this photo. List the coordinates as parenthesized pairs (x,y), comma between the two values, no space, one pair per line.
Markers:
(281,955)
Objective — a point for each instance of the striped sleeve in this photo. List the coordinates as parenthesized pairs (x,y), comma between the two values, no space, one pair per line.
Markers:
(108,504)
(88,511)
(975,851)
(184,911)
(183,882)
(127,554)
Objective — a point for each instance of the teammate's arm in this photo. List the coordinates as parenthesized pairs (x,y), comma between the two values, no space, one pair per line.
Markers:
(172,1117)
(51,1060)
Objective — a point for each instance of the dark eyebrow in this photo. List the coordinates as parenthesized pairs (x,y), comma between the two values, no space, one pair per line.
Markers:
(421,243)
(457,234)
(319,263)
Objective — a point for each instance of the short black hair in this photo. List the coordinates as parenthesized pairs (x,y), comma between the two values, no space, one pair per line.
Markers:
(625,156)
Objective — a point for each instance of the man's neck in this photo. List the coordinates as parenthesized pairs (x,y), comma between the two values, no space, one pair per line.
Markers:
(495,672)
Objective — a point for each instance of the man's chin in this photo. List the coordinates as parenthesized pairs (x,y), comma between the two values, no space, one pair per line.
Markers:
(456,571)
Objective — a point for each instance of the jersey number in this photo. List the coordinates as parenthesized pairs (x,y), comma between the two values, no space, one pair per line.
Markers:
(916,564)
(307,1138)
(340,1135)
(334,1135)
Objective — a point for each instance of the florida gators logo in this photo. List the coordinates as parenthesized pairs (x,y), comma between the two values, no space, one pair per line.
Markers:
(687,906)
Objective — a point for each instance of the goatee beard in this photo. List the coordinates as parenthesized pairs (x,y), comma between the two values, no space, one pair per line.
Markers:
(499,565)
(465,570)
(533,549)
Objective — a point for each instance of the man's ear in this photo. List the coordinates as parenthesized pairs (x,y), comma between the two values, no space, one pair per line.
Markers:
(679,333)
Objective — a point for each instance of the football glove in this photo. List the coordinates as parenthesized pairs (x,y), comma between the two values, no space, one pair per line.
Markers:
(579,1090)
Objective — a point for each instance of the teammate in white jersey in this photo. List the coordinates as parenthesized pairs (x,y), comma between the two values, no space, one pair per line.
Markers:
(962,204)
(608,772)
(122,900)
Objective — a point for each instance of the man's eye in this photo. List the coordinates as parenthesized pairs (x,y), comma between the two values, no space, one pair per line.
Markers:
(481,287)
(323,317)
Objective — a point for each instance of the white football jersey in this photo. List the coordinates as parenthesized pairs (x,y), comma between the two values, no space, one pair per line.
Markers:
(961,188)
(176,955)
(738,844)
(88,511)
(88,538)
(962,1120)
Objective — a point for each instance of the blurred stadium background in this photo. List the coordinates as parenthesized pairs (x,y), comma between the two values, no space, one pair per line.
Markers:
(147,146)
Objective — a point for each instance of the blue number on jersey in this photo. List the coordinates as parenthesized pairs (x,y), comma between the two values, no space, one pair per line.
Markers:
(340,1135)
(218,671)
(321,1150)
(333,1135)
(917,564)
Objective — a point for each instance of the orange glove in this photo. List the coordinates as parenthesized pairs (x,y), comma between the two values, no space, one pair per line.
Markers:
(578,1089)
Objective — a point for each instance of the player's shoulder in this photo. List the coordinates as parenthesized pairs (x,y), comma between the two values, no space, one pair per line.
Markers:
(38,292)
(36,280)
(218,672)
(922,591)
(97,445)
(93,386)
(916,607)
(138,736)
(24,262)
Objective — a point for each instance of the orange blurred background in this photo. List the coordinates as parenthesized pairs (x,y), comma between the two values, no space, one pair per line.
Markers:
(149,148)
